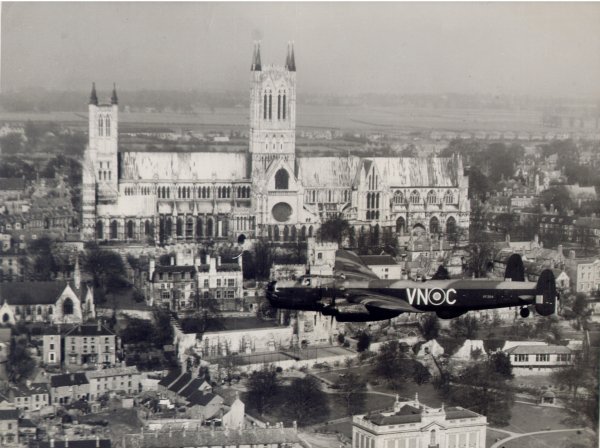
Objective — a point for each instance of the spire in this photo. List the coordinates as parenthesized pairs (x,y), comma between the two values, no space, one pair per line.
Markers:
(256,65)
(93,96)
(291,63)
(114,99)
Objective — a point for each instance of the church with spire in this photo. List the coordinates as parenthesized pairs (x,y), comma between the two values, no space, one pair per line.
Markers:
(167,197)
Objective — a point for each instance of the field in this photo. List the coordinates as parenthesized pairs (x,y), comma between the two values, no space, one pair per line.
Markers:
(358,118)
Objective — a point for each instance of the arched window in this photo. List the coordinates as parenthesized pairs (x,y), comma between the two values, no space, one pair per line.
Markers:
(434,225)
(398,197)
(449,197)
(130,229)
(99,230)
(107,127)
(179,227)
(228,192)
(279,106)
(114,227)
(208,192)
(275,233)
(431,197)
(209,227)
(67,307)
(310,231)
(293,233)
(415,198)
(270,106)
(283,108)
(50,310)
(199,227)
(100,126)
(400,225)
(286,233)
(147,228)
(168,226)
(39,310)
(189,228)
(303,233)
(282,180)
(451,225)
(265,107)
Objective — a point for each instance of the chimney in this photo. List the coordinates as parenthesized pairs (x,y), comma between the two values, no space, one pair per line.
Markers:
(218,260)
(197,262)
(213,265)
(66,442)
(51,443)
(97,442)
(571,255)
(99,327)
(208,259)
(28,383)
(560,250)
(172,261)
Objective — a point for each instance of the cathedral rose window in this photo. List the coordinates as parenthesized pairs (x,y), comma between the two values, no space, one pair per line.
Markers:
(282,211)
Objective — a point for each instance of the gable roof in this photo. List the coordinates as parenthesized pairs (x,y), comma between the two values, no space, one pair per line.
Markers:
(31,293)
(537,349)
(201,398)
(418,171)
(89,330)
(92,443)
(171,376)
(378,260)
(68,379)
(320,172)
(180,383)
(191,388)
(9,414)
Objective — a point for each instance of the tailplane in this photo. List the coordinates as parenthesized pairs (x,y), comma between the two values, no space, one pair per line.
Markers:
(545,298)
(515,269)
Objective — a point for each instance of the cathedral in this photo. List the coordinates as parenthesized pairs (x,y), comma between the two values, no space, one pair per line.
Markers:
(269,191)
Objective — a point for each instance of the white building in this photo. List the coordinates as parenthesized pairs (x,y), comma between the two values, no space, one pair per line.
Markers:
(413,425)
(383,266)
(115,379)
(539,359)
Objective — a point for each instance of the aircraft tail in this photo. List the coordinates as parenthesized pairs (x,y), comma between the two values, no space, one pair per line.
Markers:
(515,269)
(545,299)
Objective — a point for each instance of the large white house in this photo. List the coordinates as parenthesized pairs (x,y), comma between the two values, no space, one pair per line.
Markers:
(268,190)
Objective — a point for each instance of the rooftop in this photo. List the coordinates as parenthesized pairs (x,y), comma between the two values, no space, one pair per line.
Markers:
(537,349)
(68,379)
(89,330)
(378,260)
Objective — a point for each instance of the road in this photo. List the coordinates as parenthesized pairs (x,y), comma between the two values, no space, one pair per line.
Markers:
(529,434)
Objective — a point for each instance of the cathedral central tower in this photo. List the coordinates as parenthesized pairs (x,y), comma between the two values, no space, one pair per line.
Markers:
(272,111)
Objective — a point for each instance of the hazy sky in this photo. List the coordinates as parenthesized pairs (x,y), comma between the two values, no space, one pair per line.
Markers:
(499,48)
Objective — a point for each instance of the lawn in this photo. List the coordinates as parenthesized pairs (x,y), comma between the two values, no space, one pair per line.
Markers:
(492,437)
(527,418)
(120,421)
(554,440)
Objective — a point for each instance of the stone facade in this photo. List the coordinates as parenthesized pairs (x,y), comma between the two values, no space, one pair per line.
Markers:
(270,191)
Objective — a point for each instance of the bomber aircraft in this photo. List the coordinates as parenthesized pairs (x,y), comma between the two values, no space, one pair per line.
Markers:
(356,294)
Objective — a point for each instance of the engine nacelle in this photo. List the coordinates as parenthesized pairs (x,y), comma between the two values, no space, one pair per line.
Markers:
(449,314)
(362,314)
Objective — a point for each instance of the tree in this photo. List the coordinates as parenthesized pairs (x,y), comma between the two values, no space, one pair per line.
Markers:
(479,185)
(305,401)
(441,273)
(479,258)
(351,386)
(106,268)
(263,258)
(500,363)
(11,144)
(391,364)
(230,366)
(20,363)
(464,327)
(335,230)
(558,197)
(263,386)
(420,373)
(33,133)
(44,266)
(364,340)
(430,326)
(484,391)
(163,330)
(581,308)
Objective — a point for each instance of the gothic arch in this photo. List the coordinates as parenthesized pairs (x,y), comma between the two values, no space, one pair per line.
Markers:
(434,225)
(310,231)
(431,197)
(449,197)
(400,225)
(286,233)
(114,229)
(209,227)
(451,225)
(282,179)
(199,227)
(147,228)
(67,307)
(275,233)
(303,233)
(179,227)
(415,197)
(293,235)
(189,227)
(100,230)
(418,229)
(130,229)
(398,197)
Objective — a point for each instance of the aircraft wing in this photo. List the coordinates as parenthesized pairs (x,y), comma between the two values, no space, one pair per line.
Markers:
(380,301)
(350,266)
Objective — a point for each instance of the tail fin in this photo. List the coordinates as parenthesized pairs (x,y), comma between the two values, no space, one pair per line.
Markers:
(545,299)
(515,269)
